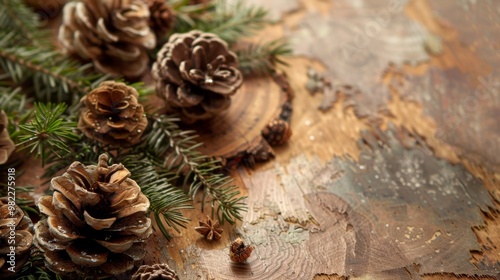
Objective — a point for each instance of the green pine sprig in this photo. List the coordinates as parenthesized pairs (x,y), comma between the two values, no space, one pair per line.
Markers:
(166,201)
(202,173)
(47,133)
(263,58)
(230,22)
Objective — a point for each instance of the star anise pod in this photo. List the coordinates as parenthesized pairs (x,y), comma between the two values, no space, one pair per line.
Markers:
(209,229)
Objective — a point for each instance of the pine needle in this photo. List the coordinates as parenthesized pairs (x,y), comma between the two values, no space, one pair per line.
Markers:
(263,58)
(229,22)
(203,174)
(47,133)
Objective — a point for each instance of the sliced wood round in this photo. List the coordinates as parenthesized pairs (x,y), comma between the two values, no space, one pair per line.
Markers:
(238,130)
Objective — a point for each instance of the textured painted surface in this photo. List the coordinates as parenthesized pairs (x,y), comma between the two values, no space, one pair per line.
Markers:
(397,212)
(467,111)
(357,41)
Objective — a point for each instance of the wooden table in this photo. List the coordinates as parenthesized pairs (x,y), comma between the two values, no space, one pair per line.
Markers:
(397,175)
(398,179)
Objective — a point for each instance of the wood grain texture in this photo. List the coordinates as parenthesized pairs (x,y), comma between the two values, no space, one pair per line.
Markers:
(379,186)
(258,102)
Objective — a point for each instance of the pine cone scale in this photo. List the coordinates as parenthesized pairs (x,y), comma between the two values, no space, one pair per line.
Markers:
(118,245)
(64,207)
(59,261)
(61,229)
(45,240)
(118,264)
(87,254)
(97,223)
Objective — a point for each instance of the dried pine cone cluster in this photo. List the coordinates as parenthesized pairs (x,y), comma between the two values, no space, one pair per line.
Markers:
(114,34)
(155,272)
(13,219)
(112,115)
(97,223)
(6,144)
(196,74)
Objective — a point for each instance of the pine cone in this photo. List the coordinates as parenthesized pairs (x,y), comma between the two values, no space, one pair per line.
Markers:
(162,17)
(113,34)
(6,144)
(155,272)
(277,132)
(239,252)
(13,219)
(112,115)
(196,74)
(97,223)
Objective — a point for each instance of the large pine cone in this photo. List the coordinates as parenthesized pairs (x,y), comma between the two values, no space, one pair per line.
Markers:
(6,144)
(113,34)
(97,223)
(155,272)
(196,74)
(162,17)
(112,115)
(13,222)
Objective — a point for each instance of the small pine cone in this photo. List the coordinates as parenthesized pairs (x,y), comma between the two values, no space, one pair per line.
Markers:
(162,17)
(112,115)
(196,74)
(239,252)
(97,224)
(13,221)
(6,144)
(113,34)
(277,132)
(155,272)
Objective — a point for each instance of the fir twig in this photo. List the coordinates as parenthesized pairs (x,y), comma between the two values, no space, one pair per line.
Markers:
(17,18)
(263,58)
(229,21)
(47,133)
(166,201)
(203,173)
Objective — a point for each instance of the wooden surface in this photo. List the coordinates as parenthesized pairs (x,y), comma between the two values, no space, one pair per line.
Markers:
(399,179)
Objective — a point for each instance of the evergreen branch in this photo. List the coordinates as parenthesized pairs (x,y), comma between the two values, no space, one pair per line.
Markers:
(262,59)
(204,173)
(229,22)
(47,133)
(17,18)
(55,78)
(13,103)
(166,201)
